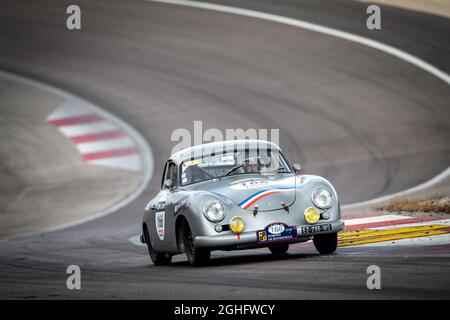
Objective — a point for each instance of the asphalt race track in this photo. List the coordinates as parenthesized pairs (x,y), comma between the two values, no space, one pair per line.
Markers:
(371,123)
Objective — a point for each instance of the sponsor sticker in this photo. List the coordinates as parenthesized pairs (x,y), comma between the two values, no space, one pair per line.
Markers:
(254,183)
(180,205)
(249,184)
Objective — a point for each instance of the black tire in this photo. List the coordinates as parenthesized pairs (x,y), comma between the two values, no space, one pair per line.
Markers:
(325,243)
(158,258)
(196,256)
(279,249)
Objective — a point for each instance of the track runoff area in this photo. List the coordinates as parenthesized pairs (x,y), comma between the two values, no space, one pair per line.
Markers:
(394,230)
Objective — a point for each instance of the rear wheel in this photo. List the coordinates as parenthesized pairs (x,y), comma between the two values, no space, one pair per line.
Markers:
(279,249)
(158,258)
(196,256)
(325,243)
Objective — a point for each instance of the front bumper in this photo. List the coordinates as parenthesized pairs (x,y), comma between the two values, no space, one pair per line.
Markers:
(250,238)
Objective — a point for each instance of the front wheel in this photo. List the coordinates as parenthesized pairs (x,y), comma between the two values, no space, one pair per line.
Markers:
(158,258)
(325,243)
(196,256)
(279,249)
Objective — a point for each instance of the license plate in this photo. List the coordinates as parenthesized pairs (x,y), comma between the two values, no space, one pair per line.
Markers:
(316,228)
(276,232)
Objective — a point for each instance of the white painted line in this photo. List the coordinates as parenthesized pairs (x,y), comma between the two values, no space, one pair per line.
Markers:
(416,224)
(419,63)
(144,150)
(316,28)
(132,162)
(363,216)
(88,128)
(136,240)
(105,145)
(389,217)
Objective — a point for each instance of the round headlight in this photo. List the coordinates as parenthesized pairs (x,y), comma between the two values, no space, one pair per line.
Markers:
(214,210)
(237,224)
(322,198)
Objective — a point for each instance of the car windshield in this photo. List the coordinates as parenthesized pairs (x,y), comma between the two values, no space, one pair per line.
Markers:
(234,162)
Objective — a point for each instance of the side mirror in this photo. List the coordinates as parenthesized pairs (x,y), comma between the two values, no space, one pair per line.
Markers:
(168,184)
(297,168)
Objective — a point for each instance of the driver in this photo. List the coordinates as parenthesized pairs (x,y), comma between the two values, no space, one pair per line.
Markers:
(251,168)
(252,165)
(260,164)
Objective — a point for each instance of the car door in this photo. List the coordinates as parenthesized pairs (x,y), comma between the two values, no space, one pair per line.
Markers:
(163,226)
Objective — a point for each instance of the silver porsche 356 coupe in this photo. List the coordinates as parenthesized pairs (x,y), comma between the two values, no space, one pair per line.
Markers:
(238,194)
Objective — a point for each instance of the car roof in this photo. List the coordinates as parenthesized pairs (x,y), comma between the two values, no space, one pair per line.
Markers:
(220,146)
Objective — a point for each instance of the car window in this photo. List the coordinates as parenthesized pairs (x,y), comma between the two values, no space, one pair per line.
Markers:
(163,178)
(170,173)
(233,162)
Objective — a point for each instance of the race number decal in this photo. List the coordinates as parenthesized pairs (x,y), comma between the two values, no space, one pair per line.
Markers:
(159,221)
(276,232)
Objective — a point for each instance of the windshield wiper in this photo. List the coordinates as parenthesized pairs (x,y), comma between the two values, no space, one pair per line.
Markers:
(231,170)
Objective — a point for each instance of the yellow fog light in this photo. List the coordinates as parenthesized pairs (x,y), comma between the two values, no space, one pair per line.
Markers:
(237,224)
(312,215)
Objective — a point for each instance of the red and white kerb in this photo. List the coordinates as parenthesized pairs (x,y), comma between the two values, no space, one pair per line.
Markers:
(99,140)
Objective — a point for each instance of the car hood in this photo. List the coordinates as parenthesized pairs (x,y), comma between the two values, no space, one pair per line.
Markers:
(269,193)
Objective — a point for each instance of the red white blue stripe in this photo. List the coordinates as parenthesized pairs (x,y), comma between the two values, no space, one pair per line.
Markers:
(247,203)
